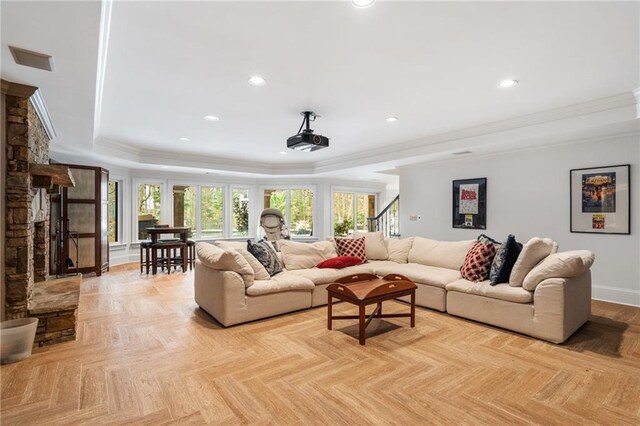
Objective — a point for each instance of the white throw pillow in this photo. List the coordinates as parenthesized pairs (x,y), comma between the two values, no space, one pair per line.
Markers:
(559,265)
(532,253)
(443,254)
(375,247)
(399,249)
(304,255)
(259,271)
(225,260)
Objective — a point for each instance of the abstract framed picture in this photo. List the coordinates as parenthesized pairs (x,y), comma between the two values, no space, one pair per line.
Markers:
(600,200)
(470,203)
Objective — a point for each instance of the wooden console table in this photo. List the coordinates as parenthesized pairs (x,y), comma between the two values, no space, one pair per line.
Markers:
(367,289)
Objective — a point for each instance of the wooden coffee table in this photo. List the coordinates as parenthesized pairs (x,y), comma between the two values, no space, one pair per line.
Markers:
(367,289)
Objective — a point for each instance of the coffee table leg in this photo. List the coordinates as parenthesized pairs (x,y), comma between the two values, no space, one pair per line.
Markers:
(362,332)
(329,313)
(413,308)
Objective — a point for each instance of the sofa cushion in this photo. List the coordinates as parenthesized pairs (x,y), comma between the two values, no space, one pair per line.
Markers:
(352,247)
(477,263)
(399,249)
(259,272)
(484,288)
(532,253)
(567,264)
(298,255)
(375,246)
(505,258)
(225,260)
(443,254)
(422,274)
(339,262)
(325,276)
(265,253)
(284,281)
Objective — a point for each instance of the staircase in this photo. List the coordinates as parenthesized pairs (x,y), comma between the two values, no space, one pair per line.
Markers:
(388,221)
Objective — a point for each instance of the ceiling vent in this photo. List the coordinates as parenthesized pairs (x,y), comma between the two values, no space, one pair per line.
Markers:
(32,59)
(462,153)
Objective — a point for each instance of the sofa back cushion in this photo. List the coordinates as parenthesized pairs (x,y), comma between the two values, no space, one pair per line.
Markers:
(225,260)
(443,254)
(567,264)
(375,245)
(532,253)
(259,272)
(298,255)
(399,249)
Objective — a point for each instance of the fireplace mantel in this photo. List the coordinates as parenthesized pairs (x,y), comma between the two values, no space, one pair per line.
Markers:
(51,175)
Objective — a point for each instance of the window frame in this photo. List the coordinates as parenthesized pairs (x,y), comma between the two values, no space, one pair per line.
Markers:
(134,208)
(229,211)
(287,215)
(355,191)
(120,224)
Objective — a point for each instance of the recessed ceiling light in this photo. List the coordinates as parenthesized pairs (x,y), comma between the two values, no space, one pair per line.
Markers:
(211,118)
(391,119)
(505,84)
(283,153)
(362,3)
(257,80)
(185,139)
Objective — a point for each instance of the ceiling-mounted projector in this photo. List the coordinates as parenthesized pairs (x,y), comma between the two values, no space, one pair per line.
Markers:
(306,140)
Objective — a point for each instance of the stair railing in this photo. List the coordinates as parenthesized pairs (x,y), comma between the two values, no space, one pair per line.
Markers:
(388,220)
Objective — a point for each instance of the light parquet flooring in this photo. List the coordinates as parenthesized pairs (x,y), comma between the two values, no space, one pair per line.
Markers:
(146,354)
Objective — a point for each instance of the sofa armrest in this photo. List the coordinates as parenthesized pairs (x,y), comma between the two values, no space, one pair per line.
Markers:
(221,293)
(561,306)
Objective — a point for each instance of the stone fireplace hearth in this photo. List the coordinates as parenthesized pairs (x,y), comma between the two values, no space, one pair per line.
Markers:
(29,179)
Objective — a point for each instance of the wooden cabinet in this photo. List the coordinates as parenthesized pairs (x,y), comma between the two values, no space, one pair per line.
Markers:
(84,213)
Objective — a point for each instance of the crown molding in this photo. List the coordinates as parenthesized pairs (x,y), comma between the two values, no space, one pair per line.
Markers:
(528,131)
(37,101)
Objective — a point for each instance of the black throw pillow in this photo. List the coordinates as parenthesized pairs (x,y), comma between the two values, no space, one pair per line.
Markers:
(506,257)
(264,252)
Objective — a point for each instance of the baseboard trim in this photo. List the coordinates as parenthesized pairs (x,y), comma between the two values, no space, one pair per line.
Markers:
(622,296)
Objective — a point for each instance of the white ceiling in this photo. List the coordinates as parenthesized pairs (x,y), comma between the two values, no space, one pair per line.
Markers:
(434,65)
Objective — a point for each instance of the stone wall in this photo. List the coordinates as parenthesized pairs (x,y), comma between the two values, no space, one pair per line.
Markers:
(27,142)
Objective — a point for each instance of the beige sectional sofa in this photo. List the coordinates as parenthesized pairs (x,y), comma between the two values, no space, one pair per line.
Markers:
(554,302)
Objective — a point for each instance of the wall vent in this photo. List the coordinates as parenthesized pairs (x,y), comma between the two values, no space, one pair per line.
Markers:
(32,59)
(462,153)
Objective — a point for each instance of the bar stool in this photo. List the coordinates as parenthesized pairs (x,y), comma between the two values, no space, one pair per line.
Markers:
(191,248)
(145,260)
(167,259)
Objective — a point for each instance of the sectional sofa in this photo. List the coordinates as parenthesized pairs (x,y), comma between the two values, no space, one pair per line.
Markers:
(552,300)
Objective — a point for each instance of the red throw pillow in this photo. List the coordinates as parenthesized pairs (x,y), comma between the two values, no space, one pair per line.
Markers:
(340,262)
(351,247)
(477,263)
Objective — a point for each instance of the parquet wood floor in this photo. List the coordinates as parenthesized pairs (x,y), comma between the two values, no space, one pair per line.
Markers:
(146,354)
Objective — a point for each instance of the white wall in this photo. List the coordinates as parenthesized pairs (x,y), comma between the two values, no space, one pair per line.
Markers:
(528,195)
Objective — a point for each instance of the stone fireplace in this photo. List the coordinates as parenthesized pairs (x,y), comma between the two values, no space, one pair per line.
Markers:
(29,180)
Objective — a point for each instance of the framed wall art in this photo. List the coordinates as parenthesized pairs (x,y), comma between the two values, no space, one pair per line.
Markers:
(470,203)
(600,200)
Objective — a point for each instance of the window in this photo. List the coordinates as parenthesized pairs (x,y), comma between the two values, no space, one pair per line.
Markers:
(351,211)
(297,207)
(212,212)
(184,206)
(149,204)
(114,204)
(240,213)
(342,213)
